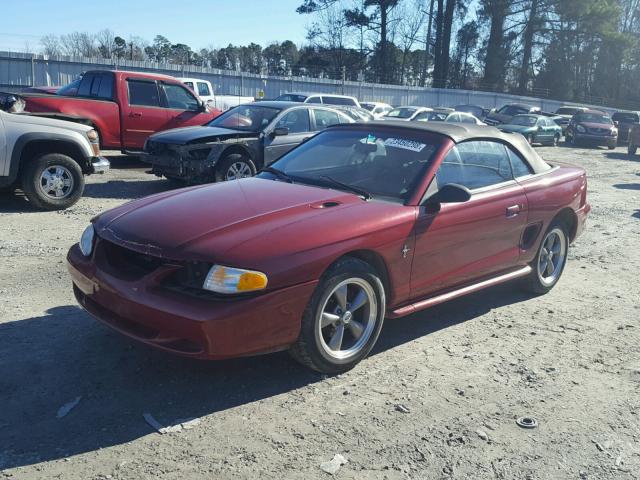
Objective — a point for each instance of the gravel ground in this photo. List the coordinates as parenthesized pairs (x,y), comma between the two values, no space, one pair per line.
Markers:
(438,397)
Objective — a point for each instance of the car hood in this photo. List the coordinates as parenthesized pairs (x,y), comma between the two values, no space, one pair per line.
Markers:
(27,119)
(186,135)
(244,222)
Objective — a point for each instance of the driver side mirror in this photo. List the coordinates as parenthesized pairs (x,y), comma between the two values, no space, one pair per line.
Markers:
(202,107)
(280,131)
(450,193)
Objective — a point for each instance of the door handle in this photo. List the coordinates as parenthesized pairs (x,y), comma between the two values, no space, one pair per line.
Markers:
(135,114)
(513,210)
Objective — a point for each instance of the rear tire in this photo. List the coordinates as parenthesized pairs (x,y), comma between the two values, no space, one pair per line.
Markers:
(234,167)
(631,149)
(52,182)
(611,147)
(343,319)
(549,263)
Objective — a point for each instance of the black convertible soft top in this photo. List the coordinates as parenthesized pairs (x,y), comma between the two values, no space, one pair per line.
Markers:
(461,132)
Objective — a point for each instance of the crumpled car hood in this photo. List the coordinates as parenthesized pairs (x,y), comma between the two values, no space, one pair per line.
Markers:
(186,135)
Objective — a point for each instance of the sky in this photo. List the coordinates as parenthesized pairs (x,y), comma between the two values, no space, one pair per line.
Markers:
(198,24)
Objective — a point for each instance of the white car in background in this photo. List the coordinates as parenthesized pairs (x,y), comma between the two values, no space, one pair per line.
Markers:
(463,117)
(324,98)
(408,114)
(377,109)
(204,90)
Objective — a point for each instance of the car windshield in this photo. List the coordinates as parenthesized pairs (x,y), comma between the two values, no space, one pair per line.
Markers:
(292,97)
(251,118)
(512,110)
(433,116)
(475,111)
(386,163)
(524,120)
(593,118)
(71,89)
(401,112)
(568,111)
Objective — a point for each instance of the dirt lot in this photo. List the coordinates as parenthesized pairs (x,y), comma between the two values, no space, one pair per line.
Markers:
(438,398)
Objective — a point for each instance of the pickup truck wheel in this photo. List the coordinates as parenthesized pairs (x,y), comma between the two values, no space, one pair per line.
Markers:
(631,149)
(52,181)
(548,265)
(343,319)
(234,167)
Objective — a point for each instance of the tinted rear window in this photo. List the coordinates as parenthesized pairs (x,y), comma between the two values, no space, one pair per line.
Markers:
(337,100)
(290,97)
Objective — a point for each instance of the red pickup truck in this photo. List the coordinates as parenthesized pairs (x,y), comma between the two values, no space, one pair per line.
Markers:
(123,107)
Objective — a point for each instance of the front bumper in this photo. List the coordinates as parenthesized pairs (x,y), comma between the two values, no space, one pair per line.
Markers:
(186,325)
(596,140)
(100,165)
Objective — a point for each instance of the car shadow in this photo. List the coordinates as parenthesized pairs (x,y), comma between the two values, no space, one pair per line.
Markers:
(627,186)
(126,189)
(622,156)
(51,360)
(15,202)
(636,214)
(121,161)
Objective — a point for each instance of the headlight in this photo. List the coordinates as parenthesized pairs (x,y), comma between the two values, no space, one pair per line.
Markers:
(234,280)
(86,241)
(581,129)
(614,131)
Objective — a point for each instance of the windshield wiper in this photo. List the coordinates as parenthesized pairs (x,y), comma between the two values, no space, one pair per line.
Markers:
(278,173)
(344,186)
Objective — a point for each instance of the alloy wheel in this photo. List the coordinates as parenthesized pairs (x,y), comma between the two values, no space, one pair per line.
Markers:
(238,170)
(56,182)
(552,256)
(347,318)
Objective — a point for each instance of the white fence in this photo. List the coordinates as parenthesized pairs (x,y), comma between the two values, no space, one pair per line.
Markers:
(20,70)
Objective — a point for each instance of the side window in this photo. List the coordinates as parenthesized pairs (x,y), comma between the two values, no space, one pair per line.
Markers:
(203,89)
(190,85)
(467,119)
(475,164)
(84,90)
(297,121)
(519,166)
(179,97)
(314,100)
(105,90)
(325,118)
(422,117)
(143,93)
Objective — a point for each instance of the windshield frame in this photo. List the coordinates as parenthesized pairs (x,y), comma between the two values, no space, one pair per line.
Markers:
(230,112)
(413,195)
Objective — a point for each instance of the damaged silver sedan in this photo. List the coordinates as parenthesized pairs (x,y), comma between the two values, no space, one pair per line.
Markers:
(238,143)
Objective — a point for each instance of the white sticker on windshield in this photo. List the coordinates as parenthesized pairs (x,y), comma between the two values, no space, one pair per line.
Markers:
(404,144)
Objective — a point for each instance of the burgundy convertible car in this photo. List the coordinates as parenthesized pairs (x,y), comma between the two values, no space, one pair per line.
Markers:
(359,223)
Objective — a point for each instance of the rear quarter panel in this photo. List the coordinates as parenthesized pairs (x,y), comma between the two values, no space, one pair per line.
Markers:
(549,193)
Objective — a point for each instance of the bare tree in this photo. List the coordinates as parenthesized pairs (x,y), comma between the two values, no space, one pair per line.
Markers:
(51,45)
(106,43)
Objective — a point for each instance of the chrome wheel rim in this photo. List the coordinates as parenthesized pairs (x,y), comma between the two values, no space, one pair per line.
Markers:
(56,182)
(238,170)
(347,319)
(552,256)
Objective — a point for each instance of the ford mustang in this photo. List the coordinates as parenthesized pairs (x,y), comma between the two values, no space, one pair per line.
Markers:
(360,223)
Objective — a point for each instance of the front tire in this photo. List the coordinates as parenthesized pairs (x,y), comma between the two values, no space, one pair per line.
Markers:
(53,181)
(631,149)
(234,167)
(343,320)
(549,263)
